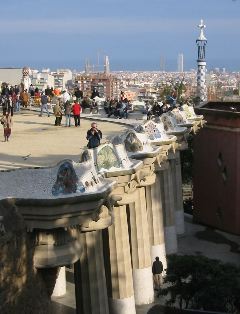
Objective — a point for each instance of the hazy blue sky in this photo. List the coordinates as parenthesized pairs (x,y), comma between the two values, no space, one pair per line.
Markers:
(133,33)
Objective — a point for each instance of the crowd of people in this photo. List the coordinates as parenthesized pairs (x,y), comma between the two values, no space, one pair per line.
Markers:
(13,98)
(156,109)
(122,107)
(64,104)
(68,104)
(118,109)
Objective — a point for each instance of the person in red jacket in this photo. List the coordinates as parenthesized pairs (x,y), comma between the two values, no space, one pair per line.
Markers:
(76,110)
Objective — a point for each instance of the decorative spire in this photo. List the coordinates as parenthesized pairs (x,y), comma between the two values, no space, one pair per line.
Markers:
(201,73)
(201,42)
(202,26)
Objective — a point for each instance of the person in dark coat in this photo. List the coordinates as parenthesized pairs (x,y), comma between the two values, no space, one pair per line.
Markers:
(95,93)
(157,110)
(94,136)
(78,94)
(157,269)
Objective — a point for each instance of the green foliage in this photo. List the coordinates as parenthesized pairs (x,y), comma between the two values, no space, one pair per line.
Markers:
(195,100)
(173,89)
(180,89)
(166,91)
(187,162)
(198,282)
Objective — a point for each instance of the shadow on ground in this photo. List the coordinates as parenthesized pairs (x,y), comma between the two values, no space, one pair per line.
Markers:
(212,235)
(158,309)
(61,308)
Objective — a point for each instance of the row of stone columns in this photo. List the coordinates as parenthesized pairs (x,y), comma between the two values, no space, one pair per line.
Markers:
(115,270)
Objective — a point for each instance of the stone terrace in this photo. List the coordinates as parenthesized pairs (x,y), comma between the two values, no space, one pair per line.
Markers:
(35,141)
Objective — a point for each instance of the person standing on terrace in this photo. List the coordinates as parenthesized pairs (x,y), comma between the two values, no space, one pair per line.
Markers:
(6,122)
(44,104)
(94,136)
(24,98)
(76,110)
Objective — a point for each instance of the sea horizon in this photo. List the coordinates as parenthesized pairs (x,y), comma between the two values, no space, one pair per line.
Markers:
(126,65)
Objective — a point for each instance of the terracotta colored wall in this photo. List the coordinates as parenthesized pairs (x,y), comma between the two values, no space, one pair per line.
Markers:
(216,202)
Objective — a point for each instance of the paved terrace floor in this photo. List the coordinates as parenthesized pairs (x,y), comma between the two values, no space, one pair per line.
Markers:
(35,141)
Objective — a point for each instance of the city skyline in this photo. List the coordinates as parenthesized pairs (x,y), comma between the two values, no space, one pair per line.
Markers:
(133,34)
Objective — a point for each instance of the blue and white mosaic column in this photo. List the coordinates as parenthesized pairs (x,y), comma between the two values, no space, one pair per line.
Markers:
(201,62)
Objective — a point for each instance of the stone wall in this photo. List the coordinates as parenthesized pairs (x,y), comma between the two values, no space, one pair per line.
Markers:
(22,290)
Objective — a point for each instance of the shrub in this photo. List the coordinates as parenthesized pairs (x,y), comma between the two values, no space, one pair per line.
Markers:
(197,282)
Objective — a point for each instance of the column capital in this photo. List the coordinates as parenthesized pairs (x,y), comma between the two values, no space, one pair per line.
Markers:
(163,166)
(99,221)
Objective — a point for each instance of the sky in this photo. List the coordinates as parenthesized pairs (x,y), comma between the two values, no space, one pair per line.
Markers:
(135,34)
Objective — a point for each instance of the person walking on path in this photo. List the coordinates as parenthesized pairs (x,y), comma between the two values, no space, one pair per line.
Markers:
(6,122)
(76,110)
(44,104)
(17,103)
(24,98)
(7,105)
(94,136)
(57,110)
(157,269)
(67,111)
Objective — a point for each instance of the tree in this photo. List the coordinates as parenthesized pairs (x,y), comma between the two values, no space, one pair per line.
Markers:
(198,282)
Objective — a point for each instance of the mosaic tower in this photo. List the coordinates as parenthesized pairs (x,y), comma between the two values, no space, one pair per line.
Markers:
(201,62)
(26,81)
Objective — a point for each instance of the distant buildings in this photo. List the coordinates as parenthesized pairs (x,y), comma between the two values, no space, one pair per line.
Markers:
(60,79)
(42,79)
(107,85)
(106,65)
(180,62)
(13,76)
(219,83)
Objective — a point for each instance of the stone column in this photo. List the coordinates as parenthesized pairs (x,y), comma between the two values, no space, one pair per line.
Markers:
(60,285)
(140,249)
(155,221)
(49,276)
(91,289)
(118,264)
(168,209)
